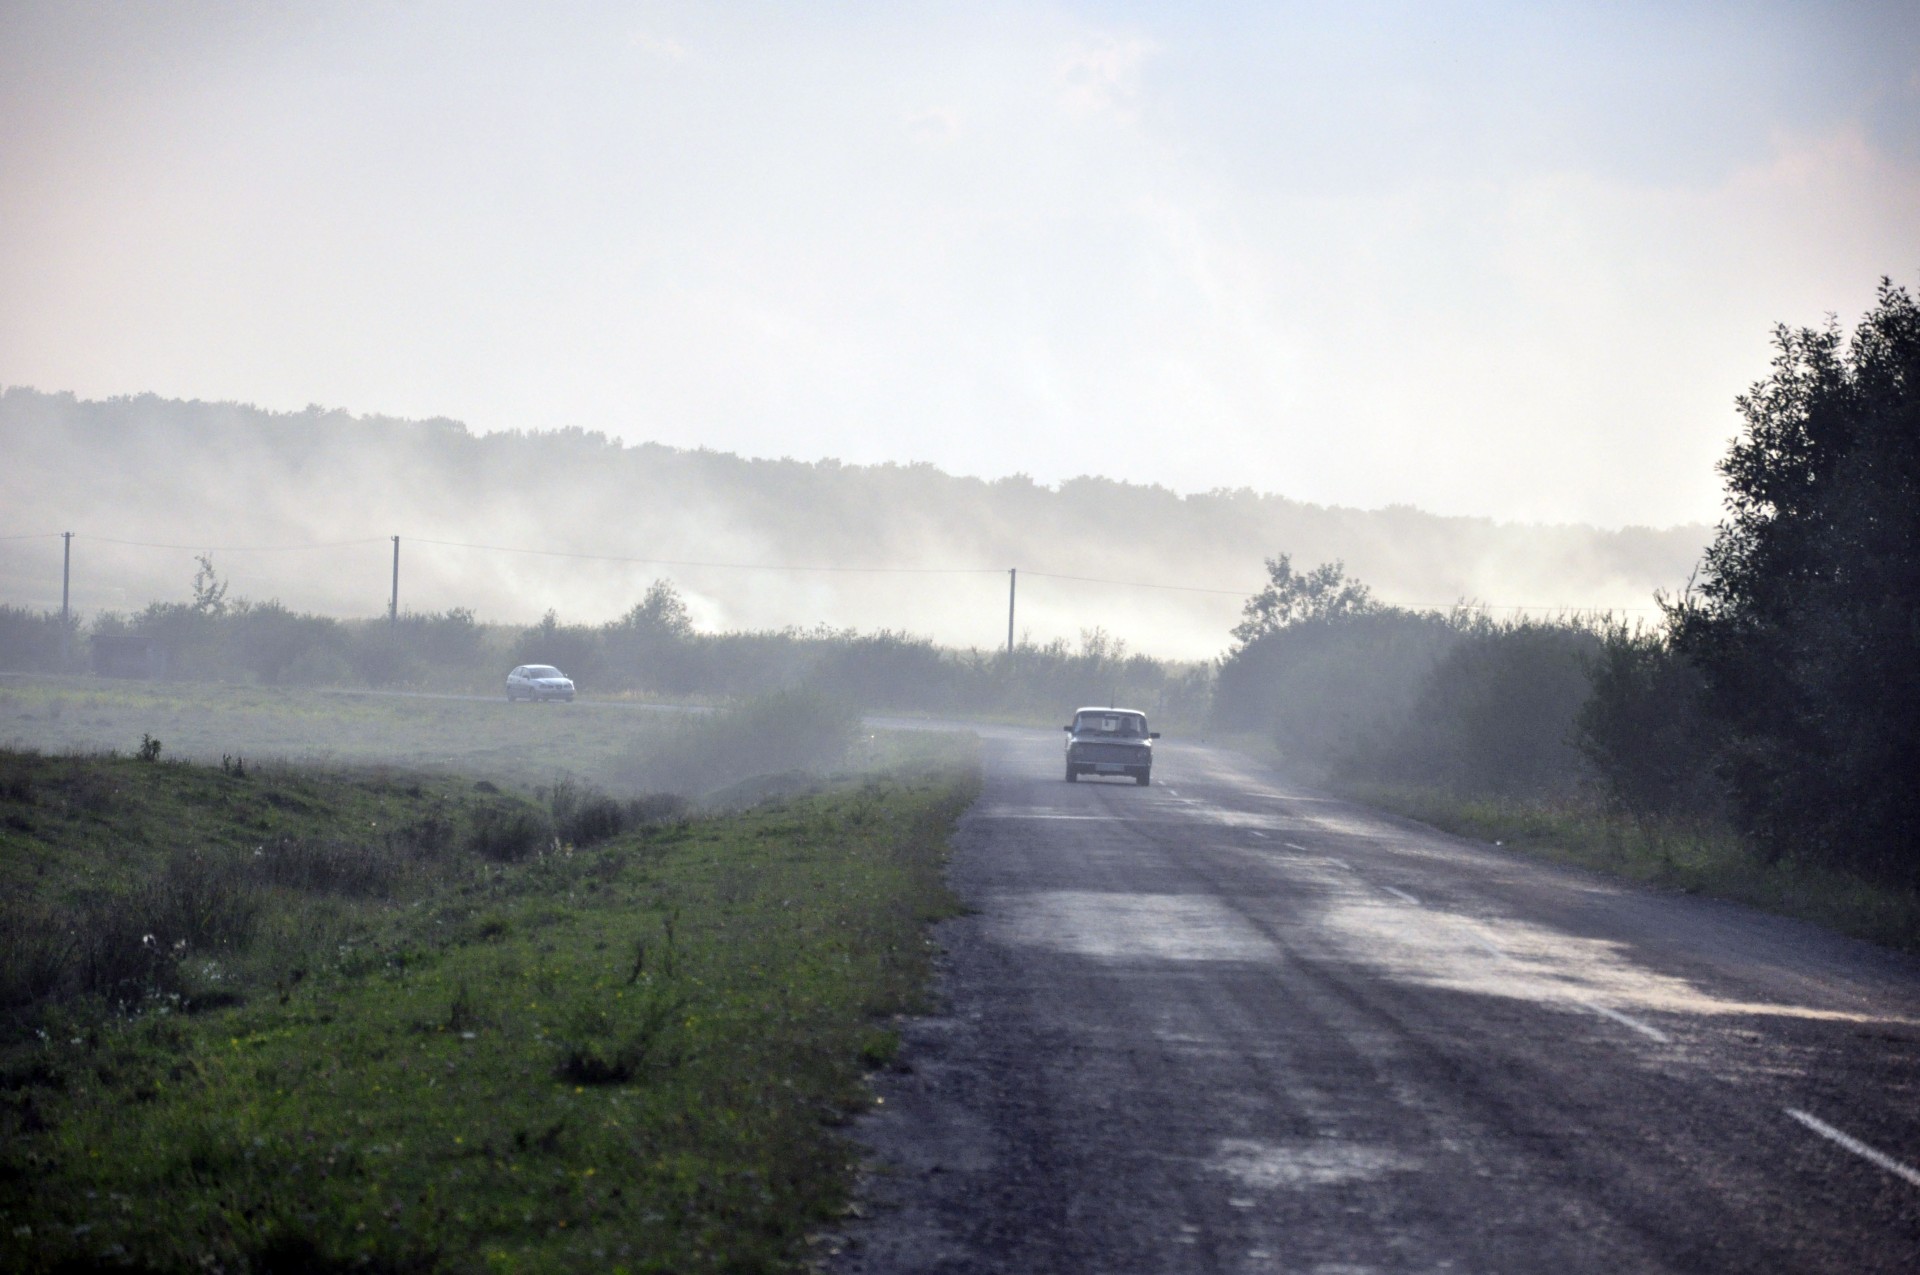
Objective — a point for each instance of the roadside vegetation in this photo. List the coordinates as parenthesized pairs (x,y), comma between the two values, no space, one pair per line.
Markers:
(651,652)
(1759,742)
(261,1018)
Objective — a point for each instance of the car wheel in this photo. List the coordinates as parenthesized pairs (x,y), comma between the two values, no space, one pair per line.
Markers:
(1073,773)
(1141,778)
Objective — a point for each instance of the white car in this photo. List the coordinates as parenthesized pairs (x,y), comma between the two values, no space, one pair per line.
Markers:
(1110,741)
(538,682)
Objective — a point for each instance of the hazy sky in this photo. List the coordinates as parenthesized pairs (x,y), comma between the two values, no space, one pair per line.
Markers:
(1511,259)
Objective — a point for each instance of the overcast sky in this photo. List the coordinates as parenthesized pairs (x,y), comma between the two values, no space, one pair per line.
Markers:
(1497,259)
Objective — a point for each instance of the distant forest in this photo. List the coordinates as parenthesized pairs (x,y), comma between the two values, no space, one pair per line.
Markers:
(182,477)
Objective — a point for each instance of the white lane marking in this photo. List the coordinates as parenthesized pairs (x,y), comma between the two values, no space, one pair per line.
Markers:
(1338,863)
(1489,948)
(1289,845)
(1036,814)
(1626,1020)
(1401,894)
(1256,832)
(1856,1146)
(1174,791)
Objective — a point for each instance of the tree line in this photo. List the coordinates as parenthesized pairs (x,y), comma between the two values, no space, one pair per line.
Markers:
(1778,695)
(652,649)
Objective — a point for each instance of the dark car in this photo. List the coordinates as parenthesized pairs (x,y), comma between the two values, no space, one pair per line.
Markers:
(1110,741)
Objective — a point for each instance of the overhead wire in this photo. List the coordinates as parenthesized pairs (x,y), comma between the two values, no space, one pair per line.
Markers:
(702,564)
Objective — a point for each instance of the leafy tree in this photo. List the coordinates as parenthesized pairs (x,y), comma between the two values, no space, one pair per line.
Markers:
(1291,597)
(1495,716)
(661,613)
(1807,618)
(209,590)
(1646,732)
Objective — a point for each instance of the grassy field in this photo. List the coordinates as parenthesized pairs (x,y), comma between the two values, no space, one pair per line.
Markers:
(281,1018)
(479,738)
(1707,861)
(625,746)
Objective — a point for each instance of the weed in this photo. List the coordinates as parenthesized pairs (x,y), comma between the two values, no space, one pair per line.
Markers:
(149,749)
(463,1015)
(879,1049)
(36,951)
(430,835)
(329,867)
(607,1046)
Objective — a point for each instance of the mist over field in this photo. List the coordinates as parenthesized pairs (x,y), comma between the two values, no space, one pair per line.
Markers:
(300,507)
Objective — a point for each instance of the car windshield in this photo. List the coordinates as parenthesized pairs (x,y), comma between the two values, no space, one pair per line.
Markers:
(1129,724)
(543,670)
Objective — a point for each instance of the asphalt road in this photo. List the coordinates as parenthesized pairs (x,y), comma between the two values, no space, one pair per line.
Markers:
(1225,1024)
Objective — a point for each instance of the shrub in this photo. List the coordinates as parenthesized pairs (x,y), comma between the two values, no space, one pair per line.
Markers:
(1319,687)
(507,831)
(202,901)
(329,867)
(1495,716)
(1646,731)
(37,947)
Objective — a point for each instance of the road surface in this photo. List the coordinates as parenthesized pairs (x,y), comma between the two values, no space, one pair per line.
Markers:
(1227,1024)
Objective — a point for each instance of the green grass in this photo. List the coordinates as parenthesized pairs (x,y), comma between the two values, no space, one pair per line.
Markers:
(203,721)
(1696,860)
(388,1043)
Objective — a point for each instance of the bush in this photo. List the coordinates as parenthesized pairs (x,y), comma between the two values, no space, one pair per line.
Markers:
(507,831)
(1646,732)
(36,640)
(37,947)
(585,818)
(329,867)
(1496,716)
(1318,688)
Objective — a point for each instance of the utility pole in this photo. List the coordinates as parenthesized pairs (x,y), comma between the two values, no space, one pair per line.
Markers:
(66,609)
(1013,578)
(393,605)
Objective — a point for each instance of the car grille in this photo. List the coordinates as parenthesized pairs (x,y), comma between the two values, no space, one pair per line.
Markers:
(1127,754)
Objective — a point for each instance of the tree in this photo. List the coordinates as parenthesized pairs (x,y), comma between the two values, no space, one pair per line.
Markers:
(1645,730)
(1806,619)
(661,613)
(209,590)
(1323,593)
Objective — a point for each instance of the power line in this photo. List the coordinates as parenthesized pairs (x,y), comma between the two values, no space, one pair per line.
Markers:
(1555,608)
(318,544)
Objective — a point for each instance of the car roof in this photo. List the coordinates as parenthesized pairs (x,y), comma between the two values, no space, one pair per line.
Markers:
(1126,712)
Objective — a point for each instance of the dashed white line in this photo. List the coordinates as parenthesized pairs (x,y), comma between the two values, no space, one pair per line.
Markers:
(1487,947)
(1401,894)
(1289,845)
(1626,1020)
(1859,1148)
(1256,832)
(1338,863)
